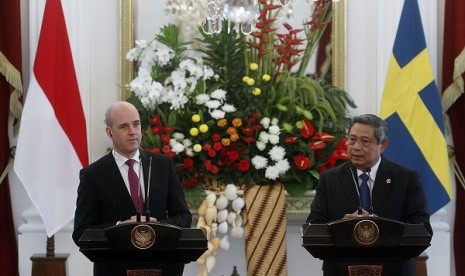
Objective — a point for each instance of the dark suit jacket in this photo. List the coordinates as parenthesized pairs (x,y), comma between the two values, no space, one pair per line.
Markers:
(397,194)
(103,198)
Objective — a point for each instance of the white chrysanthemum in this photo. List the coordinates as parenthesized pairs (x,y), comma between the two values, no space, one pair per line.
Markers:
(187,143)
(177,148)
(213,104)
(261,146)
(189,152)
(274,121)
(273,139)
(274,130)
(178,136)
(217,114)
(265,122)
(201,99)
(228,108)
(272,173)
(259,162)
(263,136)
(218,94)
(277,153)
(172,142)
(283,166)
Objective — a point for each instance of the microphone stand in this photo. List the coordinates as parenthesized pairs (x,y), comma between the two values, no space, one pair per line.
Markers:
(147,196)
(138,192)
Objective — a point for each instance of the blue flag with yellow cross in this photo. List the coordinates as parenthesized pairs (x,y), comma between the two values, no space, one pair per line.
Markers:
(411,106)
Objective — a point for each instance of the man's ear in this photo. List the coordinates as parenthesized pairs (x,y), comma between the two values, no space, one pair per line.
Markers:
(384,145)
(109,133)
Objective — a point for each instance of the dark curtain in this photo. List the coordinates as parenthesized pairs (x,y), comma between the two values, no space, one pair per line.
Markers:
(454,42)
(10,46)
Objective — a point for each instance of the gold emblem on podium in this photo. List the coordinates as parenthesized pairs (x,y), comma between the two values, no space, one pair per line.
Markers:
(366,232)
(143,236)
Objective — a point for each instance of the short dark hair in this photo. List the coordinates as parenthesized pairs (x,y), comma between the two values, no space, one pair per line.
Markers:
(380,126)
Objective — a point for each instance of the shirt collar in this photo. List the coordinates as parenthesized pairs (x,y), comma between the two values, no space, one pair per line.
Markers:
(121,160)
(373,170)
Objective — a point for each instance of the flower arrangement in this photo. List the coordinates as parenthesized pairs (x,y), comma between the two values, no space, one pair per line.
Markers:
(234,109)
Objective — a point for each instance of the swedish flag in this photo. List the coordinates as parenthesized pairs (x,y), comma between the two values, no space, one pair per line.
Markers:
(412,108)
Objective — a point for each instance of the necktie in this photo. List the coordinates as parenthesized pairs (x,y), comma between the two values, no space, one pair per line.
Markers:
(365,192)
(136,193)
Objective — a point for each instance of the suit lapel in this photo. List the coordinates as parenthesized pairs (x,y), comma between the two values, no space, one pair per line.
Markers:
(122,197)
(145,170)
(348,180)
(383,183)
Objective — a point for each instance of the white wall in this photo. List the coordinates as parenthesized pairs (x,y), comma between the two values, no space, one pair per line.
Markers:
(93,30)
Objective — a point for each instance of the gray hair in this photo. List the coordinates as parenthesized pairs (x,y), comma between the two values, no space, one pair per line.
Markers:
(380,126)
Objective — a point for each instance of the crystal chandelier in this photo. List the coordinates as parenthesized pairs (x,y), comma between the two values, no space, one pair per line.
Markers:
(211,13)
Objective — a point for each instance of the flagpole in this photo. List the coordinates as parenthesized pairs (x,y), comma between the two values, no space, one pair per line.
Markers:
(49,264)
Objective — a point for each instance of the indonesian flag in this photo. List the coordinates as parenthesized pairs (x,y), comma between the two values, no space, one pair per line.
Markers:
(52,142)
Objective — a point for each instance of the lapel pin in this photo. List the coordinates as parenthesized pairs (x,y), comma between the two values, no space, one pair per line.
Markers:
(388,181)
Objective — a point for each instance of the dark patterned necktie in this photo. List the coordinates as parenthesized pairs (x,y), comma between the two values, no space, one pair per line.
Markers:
(136,193)
(365,192)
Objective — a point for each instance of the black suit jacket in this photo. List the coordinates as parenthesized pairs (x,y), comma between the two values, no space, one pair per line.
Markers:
(103,198)
(397,194)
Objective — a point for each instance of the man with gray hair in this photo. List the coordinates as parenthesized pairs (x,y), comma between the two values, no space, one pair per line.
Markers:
(370,184)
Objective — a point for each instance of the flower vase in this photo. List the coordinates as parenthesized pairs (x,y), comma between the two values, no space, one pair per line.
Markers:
(265,224)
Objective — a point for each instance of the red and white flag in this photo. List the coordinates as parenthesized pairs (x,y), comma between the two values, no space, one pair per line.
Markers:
(52,141)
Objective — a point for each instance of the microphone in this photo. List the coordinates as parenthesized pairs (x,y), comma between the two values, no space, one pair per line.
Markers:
(138,192)
(147,195)
(359,212)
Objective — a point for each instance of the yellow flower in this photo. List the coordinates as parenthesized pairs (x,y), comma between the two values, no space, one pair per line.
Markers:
(237,122)
(195,118)
(194,131)
(245,78)
(266,77)
(197,148)
(203,128)
(250,81)
(256,91)
(253,66)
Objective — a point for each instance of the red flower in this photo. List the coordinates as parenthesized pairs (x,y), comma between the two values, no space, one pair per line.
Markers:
(317,145)
(216,137)
(168,130)
(188,162)
(244,165)
(165,139)
(291,140)
(302,162)
(217,146)
(308,130)
(156,130)
(154,150)
(166,149)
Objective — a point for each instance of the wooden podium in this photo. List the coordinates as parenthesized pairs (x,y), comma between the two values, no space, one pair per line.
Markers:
(365,246)
(143,248)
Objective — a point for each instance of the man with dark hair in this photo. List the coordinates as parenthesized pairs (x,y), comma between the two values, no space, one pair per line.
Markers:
(394,191)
